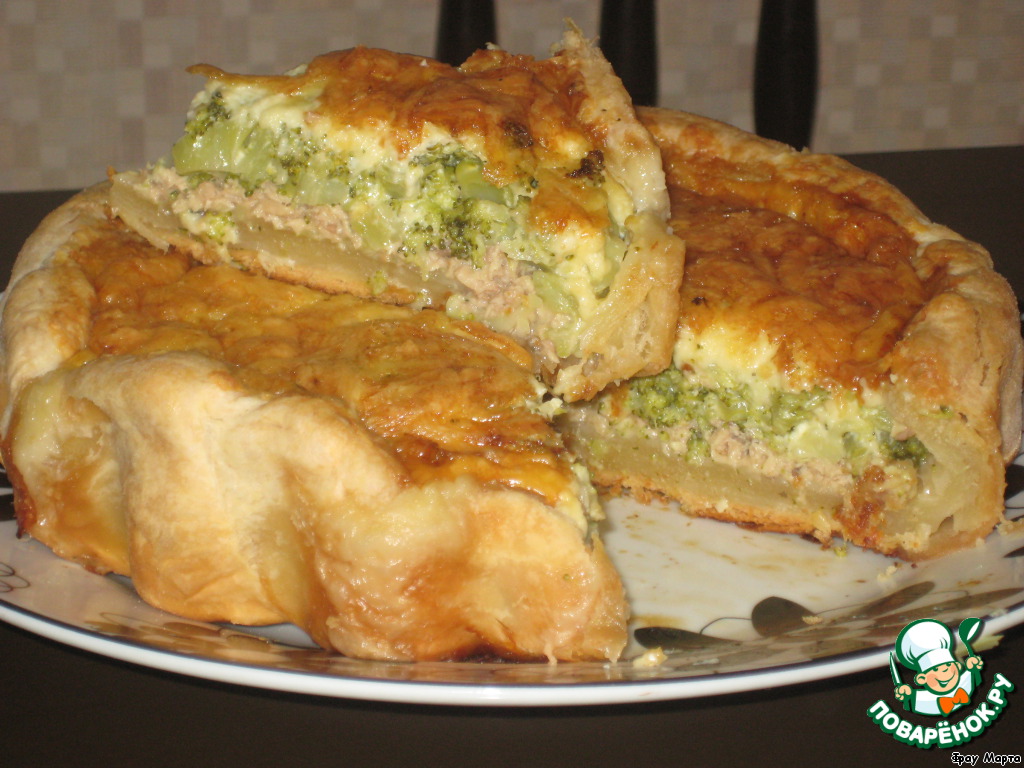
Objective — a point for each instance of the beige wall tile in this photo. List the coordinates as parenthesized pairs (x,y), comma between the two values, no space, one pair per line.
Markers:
(86,85)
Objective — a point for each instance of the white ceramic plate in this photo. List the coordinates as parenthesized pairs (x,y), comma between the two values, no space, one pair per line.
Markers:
(734,610)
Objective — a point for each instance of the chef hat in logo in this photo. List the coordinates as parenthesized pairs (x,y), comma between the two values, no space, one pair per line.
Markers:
(924,644)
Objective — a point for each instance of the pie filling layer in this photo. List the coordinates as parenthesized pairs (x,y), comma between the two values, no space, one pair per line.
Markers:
(478,188)
(774,410)
(780,343)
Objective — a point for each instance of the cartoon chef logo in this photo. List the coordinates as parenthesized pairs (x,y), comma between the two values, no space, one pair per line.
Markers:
(942,683)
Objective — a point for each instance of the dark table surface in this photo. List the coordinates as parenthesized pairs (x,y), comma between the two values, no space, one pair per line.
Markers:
(61,706)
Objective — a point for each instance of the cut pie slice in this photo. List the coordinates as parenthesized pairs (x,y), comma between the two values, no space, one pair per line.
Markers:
(521,193)
(843,367)
(253,451)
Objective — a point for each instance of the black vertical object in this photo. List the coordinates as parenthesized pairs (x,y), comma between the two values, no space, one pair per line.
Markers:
(786,71)
(464,26)
(629,41)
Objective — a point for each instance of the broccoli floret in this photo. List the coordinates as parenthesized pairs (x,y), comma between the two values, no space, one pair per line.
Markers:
(697,448)
(661,400)
(788,409)
(672,397)
(457,209)
(206,114)
(911,449)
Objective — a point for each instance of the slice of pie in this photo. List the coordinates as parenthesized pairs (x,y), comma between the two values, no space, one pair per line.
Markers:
(843,367)
(253,451)
(521,193)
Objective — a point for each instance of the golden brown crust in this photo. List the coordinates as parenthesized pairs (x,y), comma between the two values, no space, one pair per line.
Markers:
(922,321)
(255,452)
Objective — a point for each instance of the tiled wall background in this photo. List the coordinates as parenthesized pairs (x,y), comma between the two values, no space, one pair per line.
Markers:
(86,84)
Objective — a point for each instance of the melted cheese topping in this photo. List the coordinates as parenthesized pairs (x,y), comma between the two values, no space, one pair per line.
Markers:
(823,282)
(516,111)
(449,398)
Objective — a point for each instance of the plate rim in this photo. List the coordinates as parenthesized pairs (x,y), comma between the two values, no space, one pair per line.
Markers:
(454,693)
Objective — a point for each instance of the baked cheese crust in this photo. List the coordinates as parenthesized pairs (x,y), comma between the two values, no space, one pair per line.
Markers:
(253,451)
(521,193)
(843,366)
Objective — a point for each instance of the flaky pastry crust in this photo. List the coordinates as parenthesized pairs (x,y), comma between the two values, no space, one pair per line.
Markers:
(303,464)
